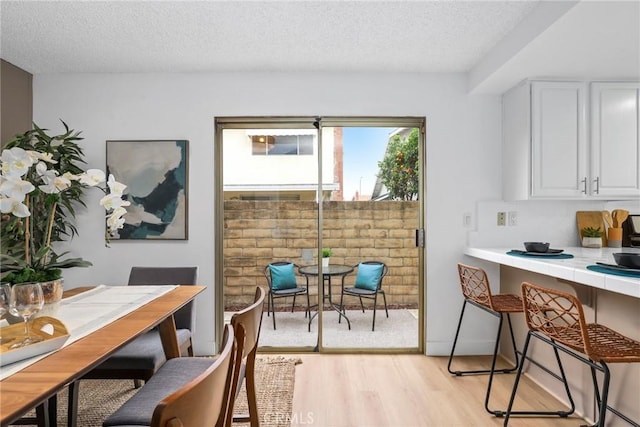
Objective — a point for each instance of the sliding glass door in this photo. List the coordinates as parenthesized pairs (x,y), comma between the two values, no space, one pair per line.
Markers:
(290,189)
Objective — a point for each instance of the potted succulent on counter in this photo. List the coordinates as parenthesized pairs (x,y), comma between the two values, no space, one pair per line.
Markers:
(592,237)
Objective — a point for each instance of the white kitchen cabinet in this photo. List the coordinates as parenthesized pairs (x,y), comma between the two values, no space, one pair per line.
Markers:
(548,152)
(615,139)
(545,148)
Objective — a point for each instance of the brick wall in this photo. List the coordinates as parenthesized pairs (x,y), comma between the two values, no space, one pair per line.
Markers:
(259,232)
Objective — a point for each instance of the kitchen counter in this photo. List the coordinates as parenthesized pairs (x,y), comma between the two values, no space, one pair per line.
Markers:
(573,269)
(608,299)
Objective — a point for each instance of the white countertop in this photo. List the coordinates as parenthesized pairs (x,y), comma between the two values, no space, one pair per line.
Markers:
(572,269)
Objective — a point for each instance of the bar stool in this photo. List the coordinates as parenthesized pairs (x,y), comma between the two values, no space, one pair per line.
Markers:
(477,292)
(557,318)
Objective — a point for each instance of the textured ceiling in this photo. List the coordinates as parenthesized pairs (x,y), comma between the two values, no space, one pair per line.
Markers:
(497,43)
(198,36)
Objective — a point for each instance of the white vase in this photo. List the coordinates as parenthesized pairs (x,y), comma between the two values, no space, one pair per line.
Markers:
(325,262)
(592,242)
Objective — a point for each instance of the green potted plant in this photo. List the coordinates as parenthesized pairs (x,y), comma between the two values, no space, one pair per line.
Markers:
(592,237)
(41,185)
(326,255)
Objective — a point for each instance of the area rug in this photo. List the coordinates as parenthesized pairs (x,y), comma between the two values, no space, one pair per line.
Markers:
(275,378)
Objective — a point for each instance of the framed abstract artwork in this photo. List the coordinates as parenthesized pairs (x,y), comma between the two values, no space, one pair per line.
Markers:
(156,175)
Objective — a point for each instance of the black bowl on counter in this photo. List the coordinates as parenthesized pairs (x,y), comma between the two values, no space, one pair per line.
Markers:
(627,259)
(536,247)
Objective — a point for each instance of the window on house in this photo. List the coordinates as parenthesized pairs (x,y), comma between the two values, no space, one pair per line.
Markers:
(274,145)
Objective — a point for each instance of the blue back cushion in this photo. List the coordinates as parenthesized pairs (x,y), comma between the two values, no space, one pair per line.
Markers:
(368,276)
(282,277)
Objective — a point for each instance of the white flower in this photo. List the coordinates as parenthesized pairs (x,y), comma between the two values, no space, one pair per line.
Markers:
(113,201)
(41,169)
(115,220)
(115,186)
(36,156)
(55,184)
(14,207)
(15,188)
(92,177)
(70,176)
(15,162)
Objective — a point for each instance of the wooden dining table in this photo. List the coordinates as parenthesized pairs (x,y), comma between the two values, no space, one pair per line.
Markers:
(43,379)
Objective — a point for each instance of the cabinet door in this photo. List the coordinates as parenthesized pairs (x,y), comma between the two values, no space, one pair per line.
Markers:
(558,140)
(615,142)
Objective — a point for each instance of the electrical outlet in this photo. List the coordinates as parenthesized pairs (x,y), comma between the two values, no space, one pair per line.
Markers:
(502,218)
(512,218)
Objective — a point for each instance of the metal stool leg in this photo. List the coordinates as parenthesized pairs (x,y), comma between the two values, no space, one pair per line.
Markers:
(562,377)
(495,412)
(481,371)
(455,340)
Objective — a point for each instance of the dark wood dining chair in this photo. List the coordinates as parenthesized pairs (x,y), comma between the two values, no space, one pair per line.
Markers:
(185,392)
(141,358)
(246,324)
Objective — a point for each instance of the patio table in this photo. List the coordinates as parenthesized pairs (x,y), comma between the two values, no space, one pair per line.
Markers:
(327,272)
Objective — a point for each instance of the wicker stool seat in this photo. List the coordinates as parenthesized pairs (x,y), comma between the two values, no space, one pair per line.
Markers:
(477,292)
(606,344)
(506,303)
(557,318)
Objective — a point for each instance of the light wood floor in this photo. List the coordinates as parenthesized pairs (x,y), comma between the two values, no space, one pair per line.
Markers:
(407,390)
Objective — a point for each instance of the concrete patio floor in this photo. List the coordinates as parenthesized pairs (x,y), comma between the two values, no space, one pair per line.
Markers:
(398,331)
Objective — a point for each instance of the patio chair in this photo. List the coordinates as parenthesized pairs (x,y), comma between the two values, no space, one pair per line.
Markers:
(368,284)
(282,280)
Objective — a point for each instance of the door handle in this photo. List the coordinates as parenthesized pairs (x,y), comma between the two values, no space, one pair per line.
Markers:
(420,241)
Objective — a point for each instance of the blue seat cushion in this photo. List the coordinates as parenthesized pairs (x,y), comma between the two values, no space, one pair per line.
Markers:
(368,276)
(145,352)
(173,375)
(282,277)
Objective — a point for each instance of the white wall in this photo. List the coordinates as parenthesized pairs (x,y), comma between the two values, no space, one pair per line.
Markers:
(463,159)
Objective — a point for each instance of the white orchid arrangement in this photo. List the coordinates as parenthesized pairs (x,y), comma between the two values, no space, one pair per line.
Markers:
(14,190)
(40,187)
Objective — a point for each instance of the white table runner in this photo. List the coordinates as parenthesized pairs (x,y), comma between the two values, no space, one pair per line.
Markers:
(89,311)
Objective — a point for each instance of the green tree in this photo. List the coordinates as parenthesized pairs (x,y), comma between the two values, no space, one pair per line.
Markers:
(399,168)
